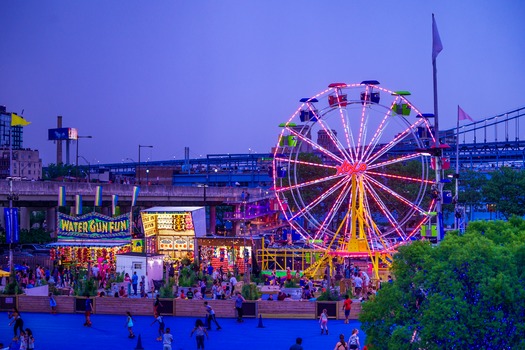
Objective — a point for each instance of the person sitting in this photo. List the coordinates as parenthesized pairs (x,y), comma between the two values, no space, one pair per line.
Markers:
(182,296)
(281,296)
(190,294)
(270,297)
(122,292)
(197,294)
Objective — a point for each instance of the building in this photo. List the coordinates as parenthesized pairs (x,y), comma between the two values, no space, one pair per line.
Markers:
(26,162)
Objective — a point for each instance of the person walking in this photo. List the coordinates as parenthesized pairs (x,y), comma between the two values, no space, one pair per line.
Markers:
(160,320)
(353,341)
(239,299)
(199,331)
(298,344)
(89,309)
(211,316)
(135,282)
(347,307)
(156,305)
(167,339)
(341,344)
(323,321)
(17,321)
(129,324)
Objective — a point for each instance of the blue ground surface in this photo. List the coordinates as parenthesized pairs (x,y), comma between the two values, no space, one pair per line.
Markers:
(66,331)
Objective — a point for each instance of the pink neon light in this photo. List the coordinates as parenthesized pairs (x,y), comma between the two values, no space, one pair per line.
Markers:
(394,161)
(349,169)
(305,163)
(316,146)
(337,203)
(362,125)
(395,194)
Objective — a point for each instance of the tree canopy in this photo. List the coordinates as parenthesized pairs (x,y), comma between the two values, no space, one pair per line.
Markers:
(468,292)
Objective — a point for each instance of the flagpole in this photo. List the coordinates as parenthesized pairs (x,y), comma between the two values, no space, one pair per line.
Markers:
(438,153)
(456,176)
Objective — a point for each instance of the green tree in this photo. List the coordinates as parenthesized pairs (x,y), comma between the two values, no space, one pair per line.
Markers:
(470,189)
(53,171)
(466,293)
(506,189)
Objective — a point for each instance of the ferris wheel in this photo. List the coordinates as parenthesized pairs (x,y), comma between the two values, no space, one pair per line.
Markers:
(348,170)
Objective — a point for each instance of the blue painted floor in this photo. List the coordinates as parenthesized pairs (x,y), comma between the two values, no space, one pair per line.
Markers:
(66,331)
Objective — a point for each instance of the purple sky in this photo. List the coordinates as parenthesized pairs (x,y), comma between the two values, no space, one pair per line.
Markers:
(219,76)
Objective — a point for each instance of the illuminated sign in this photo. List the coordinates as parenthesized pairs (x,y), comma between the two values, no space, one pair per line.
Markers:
(349,169)
(94,226)
(62,134)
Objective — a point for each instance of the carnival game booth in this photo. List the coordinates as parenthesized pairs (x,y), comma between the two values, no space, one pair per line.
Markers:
(91,239)
(171,231)
(148,267)
(230,253)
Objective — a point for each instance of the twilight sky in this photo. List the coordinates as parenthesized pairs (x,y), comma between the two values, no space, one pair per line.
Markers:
(219,76)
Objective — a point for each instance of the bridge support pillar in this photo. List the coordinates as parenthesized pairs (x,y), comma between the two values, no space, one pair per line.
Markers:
(51,221)
(213,218)
(25,218)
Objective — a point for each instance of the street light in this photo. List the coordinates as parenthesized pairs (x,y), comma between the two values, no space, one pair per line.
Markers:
(78,140)
(89,167)
(138,167)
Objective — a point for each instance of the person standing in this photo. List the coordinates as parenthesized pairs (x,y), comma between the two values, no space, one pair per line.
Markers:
(156,305)
(160,320)
(211,316)
(30,339)
(167,339)
(129,324)
(298,344)
(199,331)
(52,303)
(127,282)
(238,306)
(135,282)
(233,282)
(347,307)
(353,341)
(323,321)
(89,309)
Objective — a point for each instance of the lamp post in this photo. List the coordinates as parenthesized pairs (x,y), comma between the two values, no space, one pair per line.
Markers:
(138,166)
(89,167)
(78,140)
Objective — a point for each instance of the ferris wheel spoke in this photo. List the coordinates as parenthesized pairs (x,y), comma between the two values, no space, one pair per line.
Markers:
(334,209)
(336,141)
(361,132)
(307,183)
(319,199)
(295,161)
(315,145)
(394,161)
(395,195)
(384,209)
(400,137)
(374,141)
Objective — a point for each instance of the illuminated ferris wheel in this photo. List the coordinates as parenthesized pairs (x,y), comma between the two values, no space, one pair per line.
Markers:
(347,172)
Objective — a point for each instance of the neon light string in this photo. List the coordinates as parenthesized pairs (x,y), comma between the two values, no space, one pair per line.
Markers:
(423,221)
(362,124)
(394,161)
(307,183)
(400,137)
(393,222)
(395,194)
(316,146)
(346,130)
(334,140)
(377,135)
(398,177)
(306,163)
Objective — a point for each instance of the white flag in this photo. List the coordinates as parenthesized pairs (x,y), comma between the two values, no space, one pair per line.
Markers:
(437,46)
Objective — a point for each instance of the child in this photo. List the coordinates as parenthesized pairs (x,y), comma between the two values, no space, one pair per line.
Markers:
(129,324)
(323,321)
(160,320)
(23,340)
(30,340)
(167,339)
(353,341)
(52,303)
(199,331)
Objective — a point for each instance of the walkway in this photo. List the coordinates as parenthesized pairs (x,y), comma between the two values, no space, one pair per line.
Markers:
(66,331)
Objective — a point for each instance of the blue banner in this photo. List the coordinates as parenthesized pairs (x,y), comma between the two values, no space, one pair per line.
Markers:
(12,232)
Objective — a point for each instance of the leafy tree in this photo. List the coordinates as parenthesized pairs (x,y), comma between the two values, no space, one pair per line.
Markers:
(467,293)
(506,189)
(53,171)
(470,189)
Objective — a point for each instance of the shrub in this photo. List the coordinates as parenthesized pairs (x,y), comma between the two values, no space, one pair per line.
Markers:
(250,292)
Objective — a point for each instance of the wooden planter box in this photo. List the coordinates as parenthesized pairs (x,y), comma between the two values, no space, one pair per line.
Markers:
(119,306)
(194,307)
(287,309)
(27,303)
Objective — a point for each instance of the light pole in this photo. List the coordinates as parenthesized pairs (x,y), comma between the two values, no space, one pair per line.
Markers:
(78,140)
(138,166)
(89,167)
